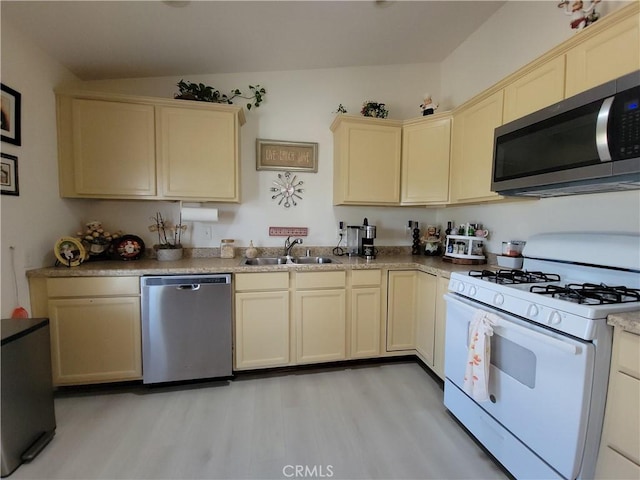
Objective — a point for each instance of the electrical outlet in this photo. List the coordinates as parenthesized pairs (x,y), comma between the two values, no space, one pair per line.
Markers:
(341,227)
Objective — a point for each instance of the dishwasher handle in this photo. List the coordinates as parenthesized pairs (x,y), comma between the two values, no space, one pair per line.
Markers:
(192,287)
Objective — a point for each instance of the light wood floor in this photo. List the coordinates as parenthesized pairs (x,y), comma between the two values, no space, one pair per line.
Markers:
(383,421)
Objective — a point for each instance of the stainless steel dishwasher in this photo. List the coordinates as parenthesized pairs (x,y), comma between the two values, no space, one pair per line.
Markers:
(186,327)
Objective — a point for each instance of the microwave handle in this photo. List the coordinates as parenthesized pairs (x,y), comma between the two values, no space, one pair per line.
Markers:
(602,122)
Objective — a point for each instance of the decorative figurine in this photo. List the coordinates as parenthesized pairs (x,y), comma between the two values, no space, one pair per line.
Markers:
(581,17)
(428,107)
(432,241)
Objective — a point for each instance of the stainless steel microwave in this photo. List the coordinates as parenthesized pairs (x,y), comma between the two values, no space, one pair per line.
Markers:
(584,144)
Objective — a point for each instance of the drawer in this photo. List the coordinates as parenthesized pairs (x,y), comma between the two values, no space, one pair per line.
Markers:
(320,280)
(628,352)
(262,281)
(361,278)
(93,286)
(624,416)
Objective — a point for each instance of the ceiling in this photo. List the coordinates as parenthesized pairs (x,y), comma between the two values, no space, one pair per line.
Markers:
(126,39)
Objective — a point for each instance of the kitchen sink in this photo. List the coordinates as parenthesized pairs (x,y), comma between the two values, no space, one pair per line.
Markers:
(259,261)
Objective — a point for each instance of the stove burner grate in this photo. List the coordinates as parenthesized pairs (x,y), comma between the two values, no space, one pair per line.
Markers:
(506,277)
(589,293)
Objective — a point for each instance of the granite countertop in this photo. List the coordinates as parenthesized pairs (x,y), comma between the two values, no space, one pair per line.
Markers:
(202,265)
(629,321)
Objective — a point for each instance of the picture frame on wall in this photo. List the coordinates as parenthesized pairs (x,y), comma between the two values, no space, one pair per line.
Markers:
(284,155)
(9,174)
(10,105)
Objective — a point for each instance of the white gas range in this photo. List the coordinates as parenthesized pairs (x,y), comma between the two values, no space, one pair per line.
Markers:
(550,350)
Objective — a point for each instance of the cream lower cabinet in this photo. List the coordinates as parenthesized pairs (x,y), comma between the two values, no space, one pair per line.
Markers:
(366,160)
(262,328)
(442,287)
(425,160)
(401,310)
(365,316)
(126,147)
(472,150)
(95,328)
(619,456)
(320,316)
(605,53)
(426,317)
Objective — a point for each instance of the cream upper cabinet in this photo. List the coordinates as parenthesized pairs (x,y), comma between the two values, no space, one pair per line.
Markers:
(425,160)
(199,154)
(106,149)
(401,310)
(472,149)
(605,53)
(366,160)
(537,89)
(124,147)
(262,329)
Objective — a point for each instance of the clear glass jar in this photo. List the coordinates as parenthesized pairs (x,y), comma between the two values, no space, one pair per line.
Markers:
(227,249)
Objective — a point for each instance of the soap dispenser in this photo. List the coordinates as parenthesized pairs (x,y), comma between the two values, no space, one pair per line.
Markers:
(251,252)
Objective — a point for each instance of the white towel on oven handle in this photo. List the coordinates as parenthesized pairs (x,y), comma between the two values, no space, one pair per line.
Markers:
(476,377)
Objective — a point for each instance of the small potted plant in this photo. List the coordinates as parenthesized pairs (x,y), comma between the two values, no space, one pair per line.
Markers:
(169,245)
(374,109)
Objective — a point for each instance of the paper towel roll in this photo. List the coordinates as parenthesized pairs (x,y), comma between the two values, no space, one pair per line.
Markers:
(199,214)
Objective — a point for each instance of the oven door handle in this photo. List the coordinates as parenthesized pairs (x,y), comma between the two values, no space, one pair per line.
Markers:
(569,348)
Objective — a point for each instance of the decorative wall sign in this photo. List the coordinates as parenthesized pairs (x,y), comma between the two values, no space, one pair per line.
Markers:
(9,174)
(10,108)
(292,156)
(287,189)
(288,231)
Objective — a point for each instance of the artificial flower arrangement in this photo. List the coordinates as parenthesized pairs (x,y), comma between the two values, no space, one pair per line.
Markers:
(169,235)
(374,109)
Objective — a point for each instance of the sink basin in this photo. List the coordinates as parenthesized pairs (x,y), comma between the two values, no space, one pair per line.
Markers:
(265,261)
(308,260)
(283,260)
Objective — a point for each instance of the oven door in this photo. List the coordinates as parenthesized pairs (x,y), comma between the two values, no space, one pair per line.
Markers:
(539,382)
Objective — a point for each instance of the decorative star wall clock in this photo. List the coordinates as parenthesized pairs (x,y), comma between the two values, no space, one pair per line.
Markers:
(287,190)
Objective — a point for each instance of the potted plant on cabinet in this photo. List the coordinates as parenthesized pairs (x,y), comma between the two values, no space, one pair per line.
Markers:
(169,245)
(204,93)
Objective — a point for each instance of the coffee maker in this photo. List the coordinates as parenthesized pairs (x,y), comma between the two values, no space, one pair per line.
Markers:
(360,240)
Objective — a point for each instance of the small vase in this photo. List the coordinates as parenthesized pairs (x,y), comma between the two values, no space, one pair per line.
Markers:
(251,252)
(169,254)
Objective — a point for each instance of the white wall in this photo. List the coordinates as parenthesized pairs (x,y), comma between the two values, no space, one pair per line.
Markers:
(299,106)
(531,28)
(32,221)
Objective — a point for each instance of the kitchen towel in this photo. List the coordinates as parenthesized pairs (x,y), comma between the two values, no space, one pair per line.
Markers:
(476,377)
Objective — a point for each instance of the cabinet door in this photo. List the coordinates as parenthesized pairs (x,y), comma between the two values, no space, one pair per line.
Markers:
(401,314)
(95,340)
(441,320)
(540,88)
(367,162)
(262,329)
(199,154)
(365,322)
(320,325)
(425,161)
(611,53)
(106,149)
(472,150)
(425,318)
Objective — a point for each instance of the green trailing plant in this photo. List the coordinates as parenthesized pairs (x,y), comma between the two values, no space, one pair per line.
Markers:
(204,93)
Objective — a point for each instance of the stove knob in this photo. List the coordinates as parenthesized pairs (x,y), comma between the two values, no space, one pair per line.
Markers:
(532,311)
(472,291)
(554,318)
(460,287)
(498,299)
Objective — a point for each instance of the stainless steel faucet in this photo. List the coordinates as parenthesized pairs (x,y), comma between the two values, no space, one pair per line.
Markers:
(288,245)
